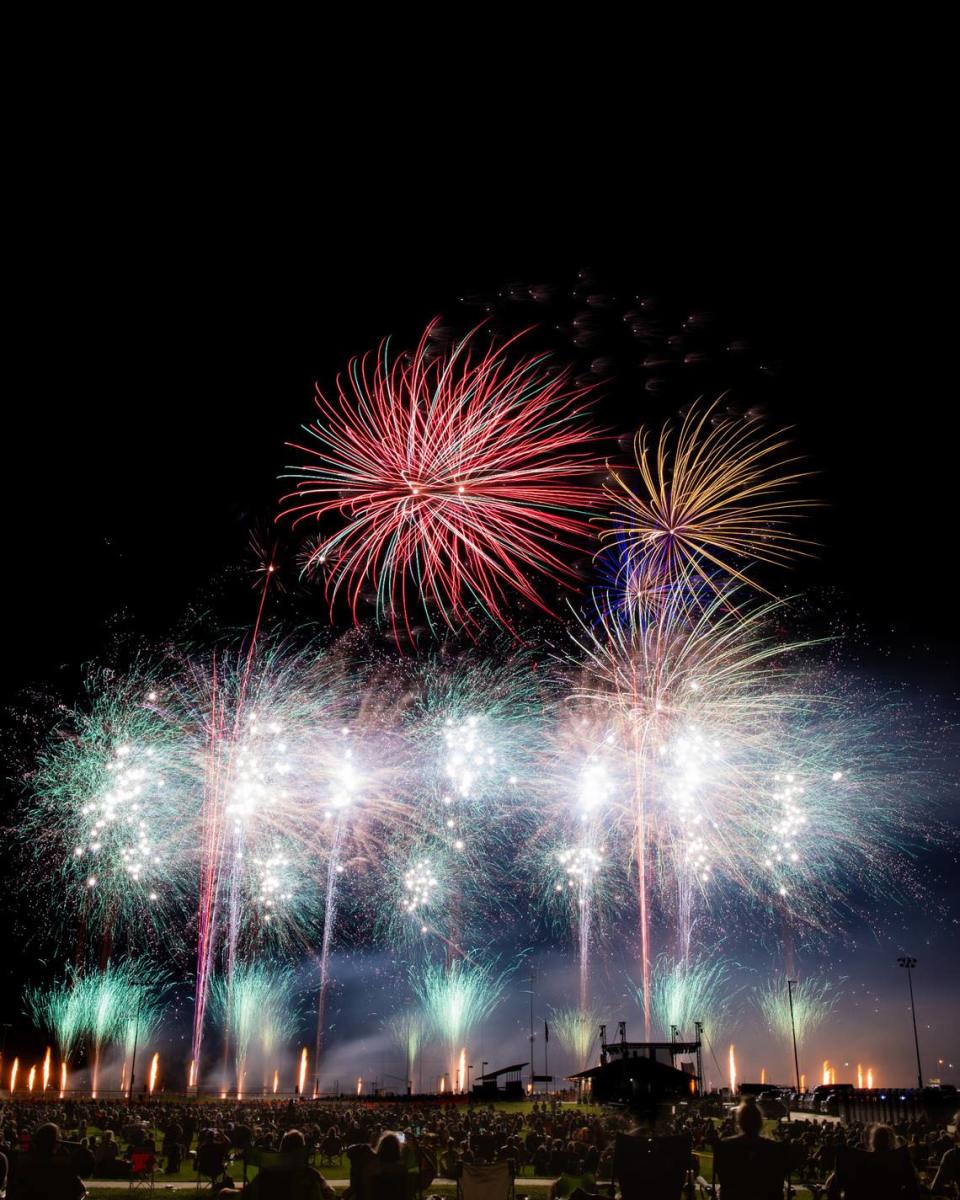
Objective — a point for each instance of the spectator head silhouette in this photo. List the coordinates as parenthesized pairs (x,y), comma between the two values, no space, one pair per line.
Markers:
(388,1148)
(882,1137)
(749,1118)
(45,1139)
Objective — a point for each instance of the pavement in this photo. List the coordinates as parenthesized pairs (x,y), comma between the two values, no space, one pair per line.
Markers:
(542,1186)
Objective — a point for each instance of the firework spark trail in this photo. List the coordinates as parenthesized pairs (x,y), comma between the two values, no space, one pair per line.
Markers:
(457,474)
(107,1000)
(406,1031)
(344,817)
(570,821)
(211,853)
(697,700)
(813,1002)
(455,999)
(59,1009)
(364,800)
(277,1026)
(329,923)
(577,1031)
(145,1004)
(710,503)
(212,836)
(107,816)
(267,732)
(257,994)
(470,724)
(684,992)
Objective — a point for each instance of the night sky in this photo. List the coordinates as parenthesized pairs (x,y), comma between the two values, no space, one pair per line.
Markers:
(156,377)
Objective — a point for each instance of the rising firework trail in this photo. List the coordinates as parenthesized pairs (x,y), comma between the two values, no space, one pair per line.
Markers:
(267,735)
(338,814)
(696,700)
(570,827)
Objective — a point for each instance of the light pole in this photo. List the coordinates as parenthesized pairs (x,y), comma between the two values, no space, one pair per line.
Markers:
(793,1029)
(909,963)
(533,980)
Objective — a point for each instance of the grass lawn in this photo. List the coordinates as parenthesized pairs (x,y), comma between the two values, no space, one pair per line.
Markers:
(340,1168)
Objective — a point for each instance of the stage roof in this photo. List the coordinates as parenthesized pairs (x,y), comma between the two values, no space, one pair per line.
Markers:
(504,1071)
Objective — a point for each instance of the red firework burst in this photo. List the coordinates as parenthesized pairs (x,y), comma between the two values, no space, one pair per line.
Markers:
(457,475)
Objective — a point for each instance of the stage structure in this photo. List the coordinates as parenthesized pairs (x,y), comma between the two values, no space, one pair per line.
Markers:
(489,1087)
(643,1075)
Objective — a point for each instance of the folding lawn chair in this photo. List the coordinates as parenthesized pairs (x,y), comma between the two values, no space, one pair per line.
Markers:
(751,1168)
(143,1166)
(651,1168)
(210,1165)
(485,1181)
(876,1175)
(278,1171)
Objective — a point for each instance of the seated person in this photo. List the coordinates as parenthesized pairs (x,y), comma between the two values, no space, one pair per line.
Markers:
(44,1172)
(371,1169)
(899,1177)
(948,1172)
(302,1182)
(173,1149)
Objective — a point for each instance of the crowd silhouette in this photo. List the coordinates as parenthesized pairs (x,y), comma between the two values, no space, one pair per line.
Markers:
(48,1149)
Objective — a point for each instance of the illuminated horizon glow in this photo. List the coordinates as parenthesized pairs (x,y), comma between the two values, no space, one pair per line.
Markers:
(456,474)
